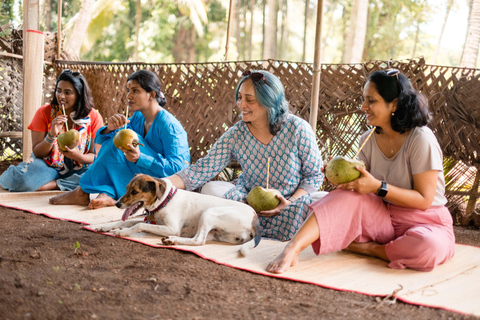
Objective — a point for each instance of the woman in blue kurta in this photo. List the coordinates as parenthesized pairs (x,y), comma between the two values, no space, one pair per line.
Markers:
(164,151)
(267,130)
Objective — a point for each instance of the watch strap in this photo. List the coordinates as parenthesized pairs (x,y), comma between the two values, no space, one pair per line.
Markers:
(382,192)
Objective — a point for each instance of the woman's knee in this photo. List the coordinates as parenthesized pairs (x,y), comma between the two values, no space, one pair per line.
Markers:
(216,188)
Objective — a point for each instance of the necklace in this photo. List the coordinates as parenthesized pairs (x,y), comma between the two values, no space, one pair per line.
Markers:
(391,151)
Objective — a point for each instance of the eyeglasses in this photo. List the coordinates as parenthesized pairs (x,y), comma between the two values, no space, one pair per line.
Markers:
(73,73)
(255,76)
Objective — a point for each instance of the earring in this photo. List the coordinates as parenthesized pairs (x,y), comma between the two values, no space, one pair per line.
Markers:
(393,113)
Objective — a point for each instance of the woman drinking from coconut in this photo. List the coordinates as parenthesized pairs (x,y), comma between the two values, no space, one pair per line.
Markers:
(55,165)
(162,149)
(267,131)
(396,210)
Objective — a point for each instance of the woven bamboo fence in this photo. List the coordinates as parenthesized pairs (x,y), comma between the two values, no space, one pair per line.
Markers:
(201,96)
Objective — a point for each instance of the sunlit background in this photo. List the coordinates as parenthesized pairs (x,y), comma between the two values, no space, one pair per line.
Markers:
(196,30)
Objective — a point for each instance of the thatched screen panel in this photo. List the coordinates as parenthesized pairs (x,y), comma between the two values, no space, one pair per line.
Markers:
(11,88)
(201,96)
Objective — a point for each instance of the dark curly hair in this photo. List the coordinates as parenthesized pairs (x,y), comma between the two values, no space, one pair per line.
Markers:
(412,106)
(149,82)
(84,103)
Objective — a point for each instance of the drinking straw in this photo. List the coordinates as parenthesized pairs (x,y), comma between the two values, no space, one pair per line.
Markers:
(126,114)
(363,144)
(268,170)
(64,113)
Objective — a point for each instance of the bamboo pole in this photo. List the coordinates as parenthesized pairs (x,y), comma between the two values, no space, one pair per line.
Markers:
(229,28)
(59,28)
(33,56)
(17,56)
(317,68)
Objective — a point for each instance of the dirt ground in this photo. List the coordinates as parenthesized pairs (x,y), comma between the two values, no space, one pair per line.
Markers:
(52,269)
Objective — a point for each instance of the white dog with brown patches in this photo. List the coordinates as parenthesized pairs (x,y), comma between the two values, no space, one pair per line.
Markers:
(182,217)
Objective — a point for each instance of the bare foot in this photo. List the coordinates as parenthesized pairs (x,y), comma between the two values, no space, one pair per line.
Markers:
(288,258)
(102,200)
(76,196)
(371,249)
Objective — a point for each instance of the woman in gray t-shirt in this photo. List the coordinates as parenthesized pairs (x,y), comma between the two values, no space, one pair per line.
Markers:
(396,210)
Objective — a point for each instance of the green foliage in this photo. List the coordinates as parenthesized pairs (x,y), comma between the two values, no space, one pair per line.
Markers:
(76,246)
(392,26)
(6,12)
(112,32)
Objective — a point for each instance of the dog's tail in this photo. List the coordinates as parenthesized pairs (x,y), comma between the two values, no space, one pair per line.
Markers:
(245,248)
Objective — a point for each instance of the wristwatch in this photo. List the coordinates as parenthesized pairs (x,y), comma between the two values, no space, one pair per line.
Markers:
(382,192)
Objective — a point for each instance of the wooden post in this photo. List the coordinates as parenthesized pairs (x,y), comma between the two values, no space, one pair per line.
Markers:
(317,68)
(59,28)
(33,55)
(229,28)
(472,200)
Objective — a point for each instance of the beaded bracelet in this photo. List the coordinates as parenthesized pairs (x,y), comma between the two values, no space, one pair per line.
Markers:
(49,139)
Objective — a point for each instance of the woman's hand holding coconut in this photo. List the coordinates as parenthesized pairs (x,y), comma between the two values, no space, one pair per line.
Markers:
(363,185)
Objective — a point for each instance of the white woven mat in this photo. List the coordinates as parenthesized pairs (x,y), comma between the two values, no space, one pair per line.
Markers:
(453,286)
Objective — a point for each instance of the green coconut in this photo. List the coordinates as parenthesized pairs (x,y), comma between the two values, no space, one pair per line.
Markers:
(261,199)
(342,170)
(69,139)
(124,137)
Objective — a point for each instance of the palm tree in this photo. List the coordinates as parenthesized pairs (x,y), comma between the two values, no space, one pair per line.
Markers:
(472,41)
(79,31)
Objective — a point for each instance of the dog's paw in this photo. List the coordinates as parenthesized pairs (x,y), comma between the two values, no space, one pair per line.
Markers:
(101,228)
(168,241)
(121,232)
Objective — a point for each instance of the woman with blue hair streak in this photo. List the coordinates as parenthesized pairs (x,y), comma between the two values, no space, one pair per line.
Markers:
(267,130)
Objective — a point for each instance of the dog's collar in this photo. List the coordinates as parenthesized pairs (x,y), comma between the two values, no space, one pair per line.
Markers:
(165,201)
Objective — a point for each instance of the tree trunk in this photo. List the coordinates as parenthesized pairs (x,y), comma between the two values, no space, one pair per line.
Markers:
(237,32)
(469,58)
(284,31)
(138,18)
(347,49)
(48,15)
(250,29)
(437,48)
(264,28)
(305,24)
(80,28)
(356,54)
(269,41)
(357,31)
(191,45)
(178,51)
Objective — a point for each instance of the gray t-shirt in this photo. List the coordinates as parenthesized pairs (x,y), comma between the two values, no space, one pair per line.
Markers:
(420,153)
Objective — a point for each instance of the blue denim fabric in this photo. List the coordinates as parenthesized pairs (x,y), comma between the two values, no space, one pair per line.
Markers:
(30,176)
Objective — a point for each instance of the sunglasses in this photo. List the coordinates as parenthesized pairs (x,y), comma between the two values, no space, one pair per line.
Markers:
(255,76)
(73,73)
(393,72)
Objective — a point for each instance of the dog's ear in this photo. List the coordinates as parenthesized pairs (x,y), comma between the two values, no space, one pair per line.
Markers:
(161,187)
(150,186)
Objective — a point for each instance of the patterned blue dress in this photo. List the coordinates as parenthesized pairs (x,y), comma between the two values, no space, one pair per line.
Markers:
(295,163)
